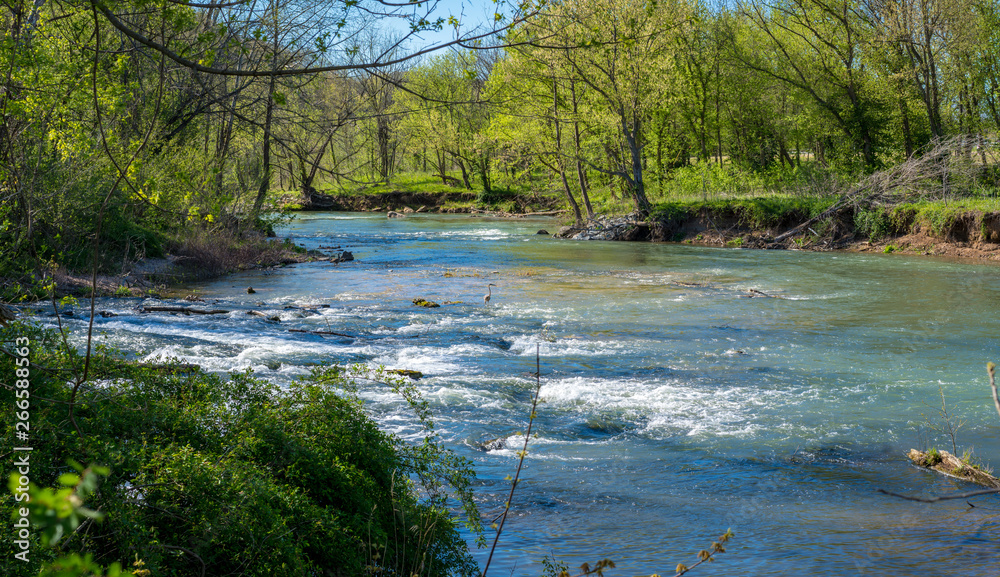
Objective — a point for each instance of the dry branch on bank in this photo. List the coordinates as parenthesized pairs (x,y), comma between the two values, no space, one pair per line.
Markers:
(945,170)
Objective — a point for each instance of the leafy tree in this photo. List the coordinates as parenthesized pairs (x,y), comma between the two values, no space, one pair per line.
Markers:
(819,48)
(618,50)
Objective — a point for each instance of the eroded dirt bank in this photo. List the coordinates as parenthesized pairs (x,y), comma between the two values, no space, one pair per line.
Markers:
(971,234)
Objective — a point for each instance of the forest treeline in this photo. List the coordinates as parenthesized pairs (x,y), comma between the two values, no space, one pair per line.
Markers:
(145,118)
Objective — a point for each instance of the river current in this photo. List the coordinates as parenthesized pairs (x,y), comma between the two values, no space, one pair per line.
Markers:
(677,403)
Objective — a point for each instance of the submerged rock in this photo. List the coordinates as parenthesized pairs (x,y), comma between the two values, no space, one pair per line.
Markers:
(345,256)
(421,302)
(394,214)
(567,232)
(542,231)
(415,375)
(496,444)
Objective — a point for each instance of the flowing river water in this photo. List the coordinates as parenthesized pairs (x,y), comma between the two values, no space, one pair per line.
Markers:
(675,406)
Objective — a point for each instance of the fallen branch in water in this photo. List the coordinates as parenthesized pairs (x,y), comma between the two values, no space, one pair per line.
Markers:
(321,333)
(756,293)
(184,310)
(947,464)
(272,318)
(940,497)
(991,371)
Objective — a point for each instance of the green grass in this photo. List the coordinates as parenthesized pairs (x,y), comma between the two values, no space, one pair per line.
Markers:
(757,212)
(939,215)
(408,182)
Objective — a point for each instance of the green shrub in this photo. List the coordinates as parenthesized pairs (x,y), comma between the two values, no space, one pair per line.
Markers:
(234,475)
(495,196)
(874,224)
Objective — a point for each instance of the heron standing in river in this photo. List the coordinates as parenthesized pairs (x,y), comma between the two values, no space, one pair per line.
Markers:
(486,297)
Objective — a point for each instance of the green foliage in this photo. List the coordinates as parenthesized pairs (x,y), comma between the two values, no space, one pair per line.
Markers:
(495,197)
(709,180)
(759,213)
(236,475)
(56,513)
(873,224)
(552,567)
(74,565)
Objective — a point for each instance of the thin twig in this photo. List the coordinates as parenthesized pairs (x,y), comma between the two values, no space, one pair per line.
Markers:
(939,497)
(520,462)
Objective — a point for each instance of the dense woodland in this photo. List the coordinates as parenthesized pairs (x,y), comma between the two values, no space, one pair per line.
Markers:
(147,118)
(132,127)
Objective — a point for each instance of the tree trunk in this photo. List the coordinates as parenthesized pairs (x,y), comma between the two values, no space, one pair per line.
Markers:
(904,114)
(265,181)
(465,172)
(581,174)
(560,161)
(635,181)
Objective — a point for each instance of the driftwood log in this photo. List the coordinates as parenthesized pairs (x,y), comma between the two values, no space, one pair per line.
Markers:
(184,310)
(947,464)
(272,318)
(321,333)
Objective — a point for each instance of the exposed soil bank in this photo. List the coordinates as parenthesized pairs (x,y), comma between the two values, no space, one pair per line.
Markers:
(151,275)
(970,234)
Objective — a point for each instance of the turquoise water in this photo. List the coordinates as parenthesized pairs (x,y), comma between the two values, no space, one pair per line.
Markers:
(675,407)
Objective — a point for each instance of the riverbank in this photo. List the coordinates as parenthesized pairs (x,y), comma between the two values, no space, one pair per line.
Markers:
(196,259)
(887,212)
(932,229)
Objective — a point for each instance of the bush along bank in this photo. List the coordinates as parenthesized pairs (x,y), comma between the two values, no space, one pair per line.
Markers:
(210,475)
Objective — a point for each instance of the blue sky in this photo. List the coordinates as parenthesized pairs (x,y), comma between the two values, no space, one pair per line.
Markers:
(471,14)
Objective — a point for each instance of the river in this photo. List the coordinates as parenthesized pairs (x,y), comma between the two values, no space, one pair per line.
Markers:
(675,406)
